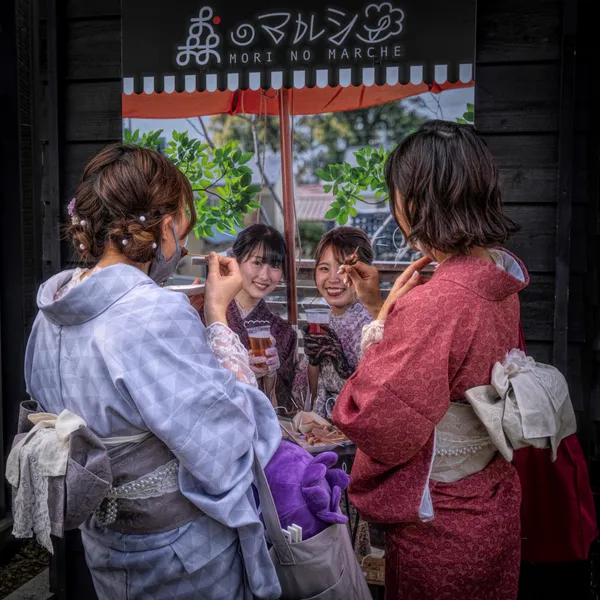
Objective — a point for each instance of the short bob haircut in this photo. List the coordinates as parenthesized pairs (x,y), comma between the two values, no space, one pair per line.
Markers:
(344,241)
(444,185)
(263,239)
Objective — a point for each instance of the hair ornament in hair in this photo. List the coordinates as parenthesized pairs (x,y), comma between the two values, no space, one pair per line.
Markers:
(142,218)
(83,222)
(71,208)
(154,245)
(124,242)
(75,220)
(82,246)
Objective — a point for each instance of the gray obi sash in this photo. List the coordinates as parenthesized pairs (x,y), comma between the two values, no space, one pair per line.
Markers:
(145,495)
(129,484)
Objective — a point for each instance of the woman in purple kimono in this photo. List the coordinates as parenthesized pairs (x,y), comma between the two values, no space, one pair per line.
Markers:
(335,353)
(174,402)
(260,251)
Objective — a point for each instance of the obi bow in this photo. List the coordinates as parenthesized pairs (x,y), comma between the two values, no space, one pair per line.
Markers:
(526,404)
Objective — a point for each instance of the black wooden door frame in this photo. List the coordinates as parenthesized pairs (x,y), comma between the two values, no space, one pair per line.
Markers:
(566,159)
(20,203)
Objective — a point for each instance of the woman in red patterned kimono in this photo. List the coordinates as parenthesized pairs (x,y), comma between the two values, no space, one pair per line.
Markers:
(453,512)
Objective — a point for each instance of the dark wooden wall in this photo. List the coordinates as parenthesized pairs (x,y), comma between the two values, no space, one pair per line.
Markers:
(523,80)
(518,92)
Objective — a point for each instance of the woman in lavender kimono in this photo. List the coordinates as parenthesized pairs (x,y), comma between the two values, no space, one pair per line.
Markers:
(337,352)
(135,362)
(260,251)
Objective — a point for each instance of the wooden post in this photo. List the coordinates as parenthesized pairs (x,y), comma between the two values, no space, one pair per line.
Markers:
(289,216)
(566,158)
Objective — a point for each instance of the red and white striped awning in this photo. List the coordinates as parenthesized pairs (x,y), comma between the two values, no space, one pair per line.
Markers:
(196,94)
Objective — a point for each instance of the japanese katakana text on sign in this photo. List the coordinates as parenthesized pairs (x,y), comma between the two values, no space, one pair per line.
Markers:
(294,33)
(187,36)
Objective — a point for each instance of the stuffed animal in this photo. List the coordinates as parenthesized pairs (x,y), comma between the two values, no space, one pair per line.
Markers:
(306,489)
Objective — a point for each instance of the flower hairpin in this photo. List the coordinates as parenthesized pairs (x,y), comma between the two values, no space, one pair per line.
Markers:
(75,220)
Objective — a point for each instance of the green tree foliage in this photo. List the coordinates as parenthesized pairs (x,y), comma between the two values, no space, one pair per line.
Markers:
(224,128)
(385,124)
(220,178)
(468,117)
(319,140)
(350,183)
(310,233)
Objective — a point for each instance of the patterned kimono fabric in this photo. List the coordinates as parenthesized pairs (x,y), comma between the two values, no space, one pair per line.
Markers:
(348,328)
(131,358)
(286,342)
(439,340)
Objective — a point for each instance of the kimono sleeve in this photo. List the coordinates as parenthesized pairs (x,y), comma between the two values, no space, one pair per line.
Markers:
(210,421)
(390,406)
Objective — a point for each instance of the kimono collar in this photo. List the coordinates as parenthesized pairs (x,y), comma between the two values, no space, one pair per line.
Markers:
(86,301)
(260,310)
(485,279)
(351,313)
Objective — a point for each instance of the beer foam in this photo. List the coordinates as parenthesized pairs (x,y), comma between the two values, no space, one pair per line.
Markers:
(259,334)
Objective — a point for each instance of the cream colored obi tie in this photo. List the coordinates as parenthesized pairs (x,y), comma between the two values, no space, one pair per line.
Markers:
(526,404)
(462,445)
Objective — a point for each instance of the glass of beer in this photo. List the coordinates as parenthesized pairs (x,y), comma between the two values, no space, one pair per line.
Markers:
(316,317)
(259,333)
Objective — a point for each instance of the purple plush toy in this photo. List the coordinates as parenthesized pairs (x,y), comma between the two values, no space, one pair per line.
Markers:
(305,488)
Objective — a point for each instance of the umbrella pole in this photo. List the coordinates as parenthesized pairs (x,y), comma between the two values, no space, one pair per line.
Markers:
(289,221)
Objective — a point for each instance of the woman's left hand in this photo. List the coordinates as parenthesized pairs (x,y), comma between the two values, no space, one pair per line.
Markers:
(265,366)
(326,345)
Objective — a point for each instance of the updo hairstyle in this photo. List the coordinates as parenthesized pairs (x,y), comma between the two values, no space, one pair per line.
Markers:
(124,195)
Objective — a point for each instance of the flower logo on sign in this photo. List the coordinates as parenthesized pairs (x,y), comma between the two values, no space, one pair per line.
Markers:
(388,23)
(196,47)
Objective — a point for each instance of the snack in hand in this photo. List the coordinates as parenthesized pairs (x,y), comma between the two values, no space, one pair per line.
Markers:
(352,259)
